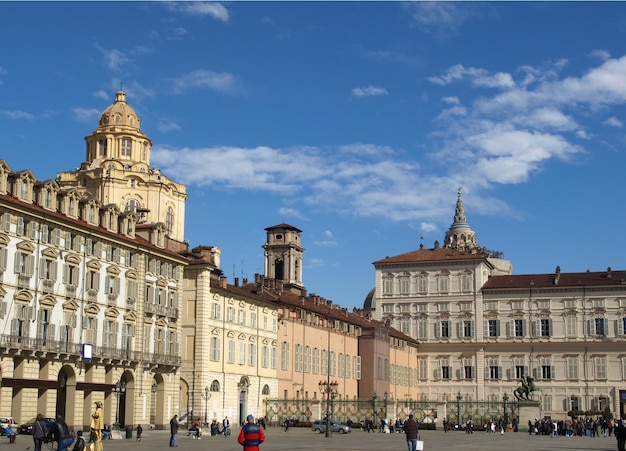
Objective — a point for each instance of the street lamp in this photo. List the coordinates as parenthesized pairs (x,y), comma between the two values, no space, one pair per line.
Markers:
(330,389)
(385,405)
(458,408)
(119,390)
(206,398)
(374,398)
(505,399)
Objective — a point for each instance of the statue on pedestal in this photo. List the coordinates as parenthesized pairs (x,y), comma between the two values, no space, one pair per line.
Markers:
(528,386)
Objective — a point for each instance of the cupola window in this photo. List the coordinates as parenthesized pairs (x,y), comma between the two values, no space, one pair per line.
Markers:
(126,146)
(102,147)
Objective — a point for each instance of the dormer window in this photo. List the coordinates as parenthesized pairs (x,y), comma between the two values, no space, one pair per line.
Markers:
(70,206)
(126,147)
(24,190)
(48,198)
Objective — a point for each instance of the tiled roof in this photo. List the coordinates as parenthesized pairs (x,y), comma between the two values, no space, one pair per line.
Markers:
(572,279)
(427,255)
(283,226)
(311,303)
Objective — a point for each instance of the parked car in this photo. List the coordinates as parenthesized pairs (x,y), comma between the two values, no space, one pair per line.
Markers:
(320,426)
(27,428)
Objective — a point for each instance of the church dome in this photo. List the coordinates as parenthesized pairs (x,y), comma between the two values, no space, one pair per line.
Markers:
(120,114)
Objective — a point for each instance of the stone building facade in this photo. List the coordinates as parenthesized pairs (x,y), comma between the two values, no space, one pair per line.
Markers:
(88,308)
(481,328)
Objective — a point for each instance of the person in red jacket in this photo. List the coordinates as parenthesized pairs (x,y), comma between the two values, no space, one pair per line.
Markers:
(251,435)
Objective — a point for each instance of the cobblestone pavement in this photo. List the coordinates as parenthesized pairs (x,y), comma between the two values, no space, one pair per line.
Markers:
(304,439)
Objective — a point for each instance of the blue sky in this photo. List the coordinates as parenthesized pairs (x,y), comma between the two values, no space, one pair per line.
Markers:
(355,122)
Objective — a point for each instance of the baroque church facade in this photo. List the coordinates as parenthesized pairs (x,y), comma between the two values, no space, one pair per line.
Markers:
(481,329)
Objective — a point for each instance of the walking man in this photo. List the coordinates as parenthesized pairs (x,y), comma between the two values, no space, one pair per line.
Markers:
(251,435)
(411,431)
(174,425)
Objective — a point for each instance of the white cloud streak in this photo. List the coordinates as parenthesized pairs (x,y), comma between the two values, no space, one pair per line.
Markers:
(215,10)
(369,91)
(206,79)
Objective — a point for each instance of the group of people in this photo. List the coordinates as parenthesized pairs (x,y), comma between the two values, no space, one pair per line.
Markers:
(250,436)
(578,427)
(59,432)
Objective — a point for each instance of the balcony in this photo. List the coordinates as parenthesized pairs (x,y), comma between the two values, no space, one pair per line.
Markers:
(48,286)
(149,307)
(92,295)
(23,281)
(111,299)
(70,291)
(131,303)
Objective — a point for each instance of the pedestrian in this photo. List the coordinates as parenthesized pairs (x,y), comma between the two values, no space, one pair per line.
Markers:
(139,432)
(9,432)
(97,424)
(251,435)
(39,431)
(60,433)
(80,442)
(411,431)
(620,435)
(226,425)
(174,425)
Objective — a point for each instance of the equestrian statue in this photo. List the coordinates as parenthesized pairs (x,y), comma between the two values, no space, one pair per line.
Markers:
(528,386)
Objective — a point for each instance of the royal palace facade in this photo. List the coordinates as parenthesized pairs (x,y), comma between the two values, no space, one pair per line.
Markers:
(482,329)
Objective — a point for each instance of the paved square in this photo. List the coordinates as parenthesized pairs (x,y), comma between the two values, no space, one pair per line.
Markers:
(358,440)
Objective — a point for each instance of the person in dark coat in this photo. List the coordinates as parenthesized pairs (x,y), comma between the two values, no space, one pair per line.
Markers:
(60,433)
(251,435)
(80,442)
(620,435)
(174,425)
(411,431)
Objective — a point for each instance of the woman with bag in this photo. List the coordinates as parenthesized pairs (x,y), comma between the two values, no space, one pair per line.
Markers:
(39,431)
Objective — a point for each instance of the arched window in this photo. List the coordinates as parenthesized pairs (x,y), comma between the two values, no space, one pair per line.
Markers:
(132,205)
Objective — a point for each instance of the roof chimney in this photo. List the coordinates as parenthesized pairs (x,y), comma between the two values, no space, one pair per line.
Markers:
(557,275)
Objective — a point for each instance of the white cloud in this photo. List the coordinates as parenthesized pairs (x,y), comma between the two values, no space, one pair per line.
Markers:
(166,127)
(290,212)
(197,8)
(600,54)
(614,122)
(451,100)
(113,58)
(478,77)
(86,114)
(440,18)
(101,94)
(369,91)
(16,114)
(428,227)
(206,79)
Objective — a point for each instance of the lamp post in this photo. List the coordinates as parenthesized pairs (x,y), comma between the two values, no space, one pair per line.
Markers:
(458,407)
(119,390)
(505,399)
(385,405)
(206,398)
(374,398)
(330,390)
